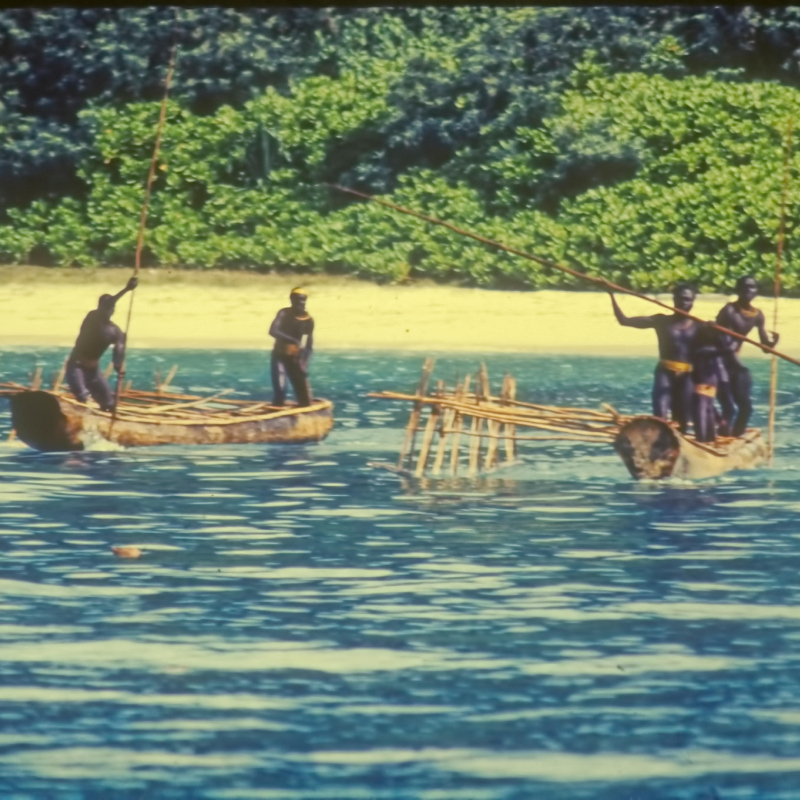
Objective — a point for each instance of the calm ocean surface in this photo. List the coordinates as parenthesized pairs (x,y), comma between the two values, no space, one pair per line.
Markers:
(304,627)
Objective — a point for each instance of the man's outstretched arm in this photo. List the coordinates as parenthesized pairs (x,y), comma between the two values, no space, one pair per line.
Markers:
(129,287)
(630,322)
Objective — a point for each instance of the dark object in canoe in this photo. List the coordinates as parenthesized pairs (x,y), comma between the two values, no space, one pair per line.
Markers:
(54,421)
(653,449)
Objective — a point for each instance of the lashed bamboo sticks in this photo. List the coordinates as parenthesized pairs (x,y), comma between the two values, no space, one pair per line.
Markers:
(492,424)
(151,409)
(558,417)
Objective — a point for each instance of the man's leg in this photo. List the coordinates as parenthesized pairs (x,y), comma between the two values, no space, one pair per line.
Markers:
(101,391)
(705,428)
(662,394)
(77,382)
(682,399)
(278,380)
(742,385)
(725,397)
(299,379)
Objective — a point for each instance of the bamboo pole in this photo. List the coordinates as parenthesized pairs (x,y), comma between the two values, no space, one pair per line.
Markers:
(587,412)
(137,263)
(773,376)
(447,423)
(161,408)
(509,391)
(493,430)
(123,415)
(568,437)
(474,446)
(501,414)
(533,422)
(458,422)
(36,379)
(60,377)
(168,380)
(606,284)
(430,428)
(413,419)
(481,391)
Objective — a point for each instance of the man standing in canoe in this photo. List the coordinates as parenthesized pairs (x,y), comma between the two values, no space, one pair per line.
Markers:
(673,389)
(293,331)
(705,353)
(97,332)
(735,380)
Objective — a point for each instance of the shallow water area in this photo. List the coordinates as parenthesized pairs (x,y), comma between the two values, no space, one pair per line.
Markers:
(301,626)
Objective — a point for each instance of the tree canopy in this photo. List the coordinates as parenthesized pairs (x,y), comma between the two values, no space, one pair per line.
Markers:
(642,143)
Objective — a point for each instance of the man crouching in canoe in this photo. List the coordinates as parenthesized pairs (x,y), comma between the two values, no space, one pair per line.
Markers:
(291,354)
(673,389)
(97,333)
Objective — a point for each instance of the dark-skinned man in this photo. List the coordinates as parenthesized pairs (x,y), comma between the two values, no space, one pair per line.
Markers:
(673,389)
(293,330)
(705,353)
(97,332)
(735,380)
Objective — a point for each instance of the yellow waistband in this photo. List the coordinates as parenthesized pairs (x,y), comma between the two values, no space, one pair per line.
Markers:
(705,390)
(286,348)
(675,366)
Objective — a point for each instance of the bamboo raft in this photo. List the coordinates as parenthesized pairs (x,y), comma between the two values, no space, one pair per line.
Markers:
(649,447)
(55,421)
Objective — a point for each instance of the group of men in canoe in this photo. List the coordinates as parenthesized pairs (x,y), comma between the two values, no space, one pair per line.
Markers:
(292,329)
(698,363)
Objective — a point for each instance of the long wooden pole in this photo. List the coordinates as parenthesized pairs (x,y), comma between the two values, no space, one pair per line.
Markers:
(773,377)
(606,284)
(137,263)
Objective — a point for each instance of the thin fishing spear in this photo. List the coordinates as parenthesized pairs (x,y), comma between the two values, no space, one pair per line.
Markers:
(773,376)
(137,262)
(606,284)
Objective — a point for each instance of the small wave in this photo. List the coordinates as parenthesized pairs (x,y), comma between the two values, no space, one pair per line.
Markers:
(93,443)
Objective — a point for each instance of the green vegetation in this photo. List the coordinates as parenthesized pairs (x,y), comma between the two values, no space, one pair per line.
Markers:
(641,144)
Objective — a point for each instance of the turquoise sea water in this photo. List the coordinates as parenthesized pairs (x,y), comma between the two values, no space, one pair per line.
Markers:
(303,627)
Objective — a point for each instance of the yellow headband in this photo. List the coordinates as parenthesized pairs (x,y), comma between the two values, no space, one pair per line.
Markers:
(299,291)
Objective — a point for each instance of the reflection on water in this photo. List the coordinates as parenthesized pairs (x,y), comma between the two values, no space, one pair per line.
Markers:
(302,626)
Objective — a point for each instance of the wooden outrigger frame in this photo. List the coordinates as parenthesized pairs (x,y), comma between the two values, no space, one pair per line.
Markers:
(649,447)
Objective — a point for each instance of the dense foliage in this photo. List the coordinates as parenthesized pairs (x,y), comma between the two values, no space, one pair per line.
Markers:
(643,144)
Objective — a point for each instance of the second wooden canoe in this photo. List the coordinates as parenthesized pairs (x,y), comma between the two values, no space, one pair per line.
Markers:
(652,449)
(51,421)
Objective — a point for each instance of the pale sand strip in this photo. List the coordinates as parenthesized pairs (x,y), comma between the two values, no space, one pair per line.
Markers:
(203,310)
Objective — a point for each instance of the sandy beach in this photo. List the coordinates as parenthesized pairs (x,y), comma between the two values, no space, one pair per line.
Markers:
(214,309)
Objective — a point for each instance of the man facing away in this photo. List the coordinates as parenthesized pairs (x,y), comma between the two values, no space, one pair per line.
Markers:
(83,373)
(735,380)
(673,388)
(293,331)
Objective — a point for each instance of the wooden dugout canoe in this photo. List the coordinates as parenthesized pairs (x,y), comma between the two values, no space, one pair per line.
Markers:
(55,421)
(650,448)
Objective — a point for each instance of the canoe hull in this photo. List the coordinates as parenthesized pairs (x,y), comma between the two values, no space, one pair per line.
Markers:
(651,449)
(46,422)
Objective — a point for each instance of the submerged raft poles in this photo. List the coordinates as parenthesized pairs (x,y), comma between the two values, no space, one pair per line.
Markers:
(773,376)
(485,424)
(607,285)
(143,219)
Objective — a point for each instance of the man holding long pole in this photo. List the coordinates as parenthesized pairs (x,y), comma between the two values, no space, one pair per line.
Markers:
(97,334)
(735,380)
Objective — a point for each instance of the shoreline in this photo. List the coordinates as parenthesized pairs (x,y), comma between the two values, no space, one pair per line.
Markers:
(174,309)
